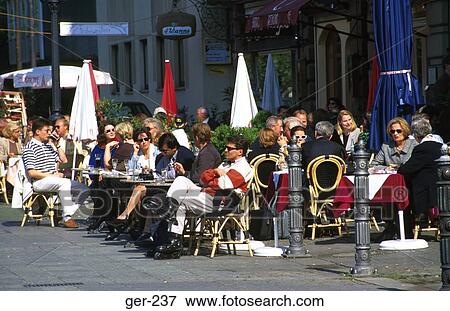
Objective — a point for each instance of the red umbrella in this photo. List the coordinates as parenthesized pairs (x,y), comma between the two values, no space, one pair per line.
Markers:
(169,100)
(94,84)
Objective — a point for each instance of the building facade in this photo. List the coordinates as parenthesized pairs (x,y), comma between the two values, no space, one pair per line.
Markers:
(136,61)
(331,45)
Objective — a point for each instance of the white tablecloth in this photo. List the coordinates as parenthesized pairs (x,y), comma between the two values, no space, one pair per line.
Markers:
(375,182)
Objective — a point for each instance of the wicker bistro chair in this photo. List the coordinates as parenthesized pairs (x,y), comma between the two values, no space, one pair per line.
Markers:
(229,224)
(3,182)
(259,185)
(321,189)
(50,198)
(52,202)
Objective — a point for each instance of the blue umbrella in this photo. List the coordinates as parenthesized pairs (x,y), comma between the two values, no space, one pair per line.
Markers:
(398,92)
(271,99)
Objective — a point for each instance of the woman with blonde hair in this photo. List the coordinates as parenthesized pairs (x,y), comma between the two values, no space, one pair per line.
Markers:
(399,149)
(125,147)
(10,144)
(346,133)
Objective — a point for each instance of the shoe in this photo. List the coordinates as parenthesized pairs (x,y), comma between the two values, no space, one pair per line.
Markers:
(117,223)
(144,240)
(71,224)
(112,236)
(150,252)
(174,245)
(161,256)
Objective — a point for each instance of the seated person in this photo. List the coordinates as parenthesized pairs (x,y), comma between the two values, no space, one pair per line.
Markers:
(300,132)
(124,147)
(399,150)
(322,145)
(267,143)
(207,158)
(40,158)
(420,170)
(172,153)
(187,196)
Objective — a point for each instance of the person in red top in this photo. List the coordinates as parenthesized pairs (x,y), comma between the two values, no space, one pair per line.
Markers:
(233,174)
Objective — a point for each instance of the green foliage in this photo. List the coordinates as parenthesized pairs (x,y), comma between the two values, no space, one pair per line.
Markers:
(221,133)
(110,110)
(259,121)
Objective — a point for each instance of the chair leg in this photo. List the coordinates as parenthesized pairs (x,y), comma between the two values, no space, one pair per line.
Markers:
(375,224)
(416,232)
(215,238)
(338,221)
(200,237)
(25,217)
(313,231)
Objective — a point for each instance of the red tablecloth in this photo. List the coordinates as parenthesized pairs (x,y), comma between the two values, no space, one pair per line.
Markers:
(282,188)
(393,191)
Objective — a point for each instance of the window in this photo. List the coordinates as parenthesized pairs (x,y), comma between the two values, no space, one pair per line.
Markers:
(334,70)
(178,65)
(128,69)
(172,50)
(144,66)
(115,68)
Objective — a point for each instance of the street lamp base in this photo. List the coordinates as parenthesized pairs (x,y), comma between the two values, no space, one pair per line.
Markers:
(363,271)
(297,253)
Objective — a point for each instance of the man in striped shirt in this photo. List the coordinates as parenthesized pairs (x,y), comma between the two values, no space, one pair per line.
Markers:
(40,157)
(233,174)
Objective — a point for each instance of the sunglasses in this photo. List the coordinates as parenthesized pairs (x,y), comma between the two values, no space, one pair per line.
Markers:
(229,148)
(110,130)
(140,140)
(302,137)
(396,131)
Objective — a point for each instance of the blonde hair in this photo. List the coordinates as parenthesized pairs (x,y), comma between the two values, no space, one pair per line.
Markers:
(124,130)
(341,114)
(267,137)
(403,124)
(9,129)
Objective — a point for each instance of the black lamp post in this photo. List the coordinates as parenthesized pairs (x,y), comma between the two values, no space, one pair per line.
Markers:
(295,197)
(443,198)
(56,90)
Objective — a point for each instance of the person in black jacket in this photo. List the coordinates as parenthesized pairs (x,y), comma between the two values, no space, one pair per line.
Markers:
(172,153)
(322,145)
(420,171)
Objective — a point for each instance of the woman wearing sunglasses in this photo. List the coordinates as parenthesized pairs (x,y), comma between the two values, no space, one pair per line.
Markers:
(106,135)
(399,149)
(144,156)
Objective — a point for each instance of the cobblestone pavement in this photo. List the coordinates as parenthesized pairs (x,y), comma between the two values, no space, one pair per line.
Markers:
(44,258)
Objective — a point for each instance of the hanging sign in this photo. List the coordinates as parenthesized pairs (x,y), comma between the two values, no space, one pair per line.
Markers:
(176,25)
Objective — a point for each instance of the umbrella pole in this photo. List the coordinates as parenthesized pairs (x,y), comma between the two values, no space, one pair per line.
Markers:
(74,160)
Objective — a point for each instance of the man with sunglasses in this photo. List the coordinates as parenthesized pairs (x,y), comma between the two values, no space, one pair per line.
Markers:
(65,142)
(185,196)
(40,157)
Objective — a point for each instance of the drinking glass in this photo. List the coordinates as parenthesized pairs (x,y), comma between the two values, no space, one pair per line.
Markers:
(98,160)
(163,175)
(114,163)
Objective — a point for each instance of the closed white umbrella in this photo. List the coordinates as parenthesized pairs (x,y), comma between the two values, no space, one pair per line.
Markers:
(41,77)
(83,121)
(243,109)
